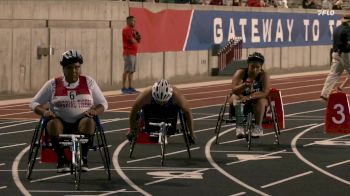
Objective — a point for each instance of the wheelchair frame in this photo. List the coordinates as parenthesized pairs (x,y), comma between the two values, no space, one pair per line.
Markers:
(247,122)
(164,128)
(99,136)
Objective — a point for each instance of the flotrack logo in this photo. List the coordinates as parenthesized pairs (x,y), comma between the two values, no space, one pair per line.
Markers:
(325,12)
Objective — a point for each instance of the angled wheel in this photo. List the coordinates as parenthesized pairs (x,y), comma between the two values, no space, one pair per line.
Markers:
(220,119)
(77,166)
(103,149)
(185,132)
(249,127)
(275,122)
(162,148)
(34,147)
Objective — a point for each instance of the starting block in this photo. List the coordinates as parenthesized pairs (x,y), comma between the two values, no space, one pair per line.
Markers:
(276,104)
(337,114)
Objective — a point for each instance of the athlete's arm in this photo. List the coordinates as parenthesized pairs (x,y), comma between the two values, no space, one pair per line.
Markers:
(40,100)
(265,88)
(237,82)
(100,102)
(143,99)
(183,104)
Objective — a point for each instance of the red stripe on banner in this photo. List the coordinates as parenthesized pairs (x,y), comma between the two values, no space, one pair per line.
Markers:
(162,31)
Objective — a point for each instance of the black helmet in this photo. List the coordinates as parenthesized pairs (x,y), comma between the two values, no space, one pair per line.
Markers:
(70,57)
(256,56)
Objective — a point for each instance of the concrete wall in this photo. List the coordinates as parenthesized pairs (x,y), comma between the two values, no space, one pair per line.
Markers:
(94,28)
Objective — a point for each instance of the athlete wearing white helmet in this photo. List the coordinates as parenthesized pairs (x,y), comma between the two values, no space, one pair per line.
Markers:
(161,96)
(69,102)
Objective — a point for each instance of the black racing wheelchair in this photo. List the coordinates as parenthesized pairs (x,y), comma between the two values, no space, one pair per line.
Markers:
(156,124)
(247,119)
(41,141)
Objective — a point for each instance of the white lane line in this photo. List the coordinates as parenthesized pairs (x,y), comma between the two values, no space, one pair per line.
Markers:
(16,124)
(239,194)
(245,151)
(16,113)
(14,145)
(3,187)
(271,133)
(77,191)
(256,158)
(222,171)
(336,164)
(16,105)
(10,122)
(113,192)
(2,164)
(162,168)
(305,112)
(157,156)
(300,156)
(15,175)
(335,138)
(120,171)
(287,179)
(176,176)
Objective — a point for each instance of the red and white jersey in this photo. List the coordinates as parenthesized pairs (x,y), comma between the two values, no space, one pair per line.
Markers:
(69,101)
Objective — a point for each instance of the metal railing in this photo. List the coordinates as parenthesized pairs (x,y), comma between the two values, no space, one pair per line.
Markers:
(230,52)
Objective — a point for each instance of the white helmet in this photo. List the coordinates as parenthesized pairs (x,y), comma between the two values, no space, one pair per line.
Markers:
(162,91)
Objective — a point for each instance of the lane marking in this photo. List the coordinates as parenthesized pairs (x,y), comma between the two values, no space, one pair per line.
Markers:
(16,113)
(3,187)
(300,156)
(257,157)
(339,137)
(15,175)
(120,172)
(77,191)
(305,112)
(271,133)
(287,179)
(158,156)
(336,164)
(16,124)
(14,145)
(177,176)
(8,122)
(239,194)
(222,171)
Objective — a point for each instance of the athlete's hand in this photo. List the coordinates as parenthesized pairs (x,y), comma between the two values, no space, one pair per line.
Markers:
(49,114)
(90,113)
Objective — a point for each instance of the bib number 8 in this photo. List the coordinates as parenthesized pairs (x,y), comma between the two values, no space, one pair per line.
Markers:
(339,108)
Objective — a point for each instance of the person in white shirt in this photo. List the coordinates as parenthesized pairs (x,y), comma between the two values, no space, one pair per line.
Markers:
(69,102)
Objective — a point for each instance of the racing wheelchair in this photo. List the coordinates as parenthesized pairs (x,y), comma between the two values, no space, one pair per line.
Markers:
(155,125)
(272,118)
(41,141)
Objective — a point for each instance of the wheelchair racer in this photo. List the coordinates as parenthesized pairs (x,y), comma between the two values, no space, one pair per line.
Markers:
(160,94)
(251,85)
(69,102)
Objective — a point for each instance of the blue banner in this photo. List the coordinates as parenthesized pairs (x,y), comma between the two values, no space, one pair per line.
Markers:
(261,29)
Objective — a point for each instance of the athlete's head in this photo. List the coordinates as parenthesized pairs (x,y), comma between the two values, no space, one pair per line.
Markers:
(256,57)
(162,91)
(71,57)
(255,62)
(71,61)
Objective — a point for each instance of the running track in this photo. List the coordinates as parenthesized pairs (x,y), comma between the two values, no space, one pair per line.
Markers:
(307,162)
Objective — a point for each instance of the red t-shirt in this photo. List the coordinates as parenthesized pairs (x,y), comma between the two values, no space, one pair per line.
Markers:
(129,48)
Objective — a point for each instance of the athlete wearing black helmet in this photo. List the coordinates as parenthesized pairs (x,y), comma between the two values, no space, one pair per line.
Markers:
(251,85)
(69,102)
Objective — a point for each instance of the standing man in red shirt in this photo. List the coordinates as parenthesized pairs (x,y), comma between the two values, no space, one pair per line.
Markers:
(131,37)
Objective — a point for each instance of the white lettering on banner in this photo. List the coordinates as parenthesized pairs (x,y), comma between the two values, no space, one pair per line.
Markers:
(231,31)
(290,28)
(315,30)
(255,31)
(218,33)
(279,31)
(267,24)
(242,23)
(306,24)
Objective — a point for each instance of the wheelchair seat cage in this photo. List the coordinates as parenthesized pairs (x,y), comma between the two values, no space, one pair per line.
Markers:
(41,141)
(161,128)
(247,120)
